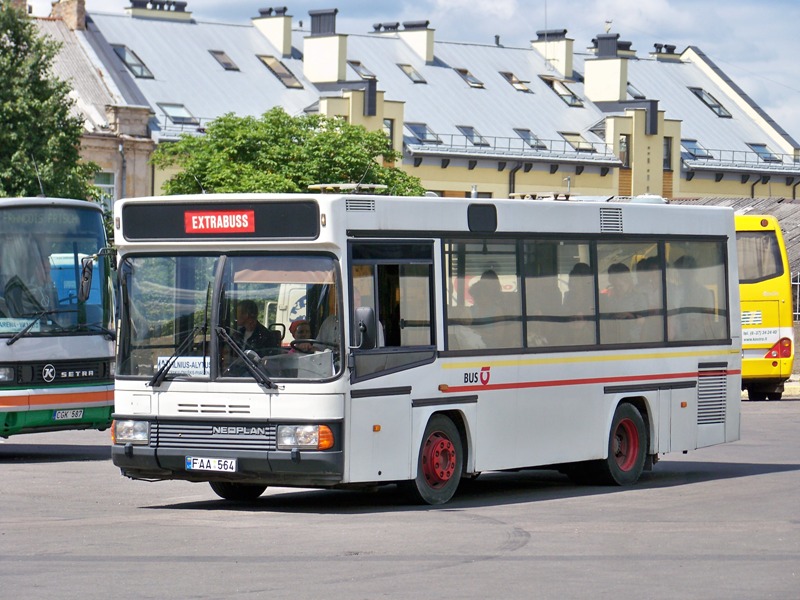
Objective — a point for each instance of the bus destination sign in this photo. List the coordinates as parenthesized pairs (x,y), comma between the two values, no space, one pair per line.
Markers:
(227,221)
(272,219)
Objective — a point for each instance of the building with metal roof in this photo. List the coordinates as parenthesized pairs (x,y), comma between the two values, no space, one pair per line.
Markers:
(537,120)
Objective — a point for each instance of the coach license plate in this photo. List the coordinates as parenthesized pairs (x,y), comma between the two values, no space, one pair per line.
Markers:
(197,463)
(66,415)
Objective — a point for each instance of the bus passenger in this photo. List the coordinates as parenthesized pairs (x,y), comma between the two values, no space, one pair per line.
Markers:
(579,304)
(301,330)
(623,308)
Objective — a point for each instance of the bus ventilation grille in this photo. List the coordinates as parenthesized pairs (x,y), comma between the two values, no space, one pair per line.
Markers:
(711,397)
(611,220)
(360,205)
(225,435)
(214,409)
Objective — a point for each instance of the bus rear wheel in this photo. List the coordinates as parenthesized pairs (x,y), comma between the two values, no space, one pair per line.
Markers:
(627,448)
(229,490)
(439,465)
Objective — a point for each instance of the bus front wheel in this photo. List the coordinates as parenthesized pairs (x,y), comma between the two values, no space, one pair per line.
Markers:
(439,465)
(229,490)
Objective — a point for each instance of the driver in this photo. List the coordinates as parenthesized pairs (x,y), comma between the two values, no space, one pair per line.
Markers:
(301,330)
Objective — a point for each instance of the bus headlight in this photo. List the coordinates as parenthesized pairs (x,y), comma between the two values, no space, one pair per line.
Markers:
(7,374)
(305,437)
(128,431)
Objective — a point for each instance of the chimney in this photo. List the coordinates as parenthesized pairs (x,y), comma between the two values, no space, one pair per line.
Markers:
(277,28)
(72,12)
(325,52)
(606,75)
(665,53)
(159,9)
(556,48)
(419,37)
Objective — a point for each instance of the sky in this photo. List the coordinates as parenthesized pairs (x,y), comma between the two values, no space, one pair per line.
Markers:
(754,42)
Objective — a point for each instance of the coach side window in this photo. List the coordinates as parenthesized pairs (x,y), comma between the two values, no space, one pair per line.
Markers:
(484,303)
(697,302)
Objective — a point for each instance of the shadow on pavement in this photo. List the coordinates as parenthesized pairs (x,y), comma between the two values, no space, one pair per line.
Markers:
(36,453)
(490,489)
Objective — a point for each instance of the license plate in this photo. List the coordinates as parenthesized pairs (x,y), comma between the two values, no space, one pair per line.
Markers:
(197,463)
(63,415)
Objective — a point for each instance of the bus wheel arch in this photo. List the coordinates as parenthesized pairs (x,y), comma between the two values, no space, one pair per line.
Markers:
(440,460)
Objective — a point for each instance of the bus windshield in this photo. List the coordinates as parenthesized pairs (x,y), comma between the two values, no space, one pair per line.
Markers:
(40,269)
(759,255)
(253,316)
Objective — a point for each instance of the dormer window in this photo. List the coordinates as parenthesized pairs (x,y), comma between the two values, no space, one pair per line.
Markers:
(695,150)
(362,71)
(133,62)
(423,133)
(764,153)
(412,73)
(280,71)
(711,102)
(516,82)
(224,60)
(469,78)
(566,94)
(178,114)
(578,142)
(475,138)
(531,139)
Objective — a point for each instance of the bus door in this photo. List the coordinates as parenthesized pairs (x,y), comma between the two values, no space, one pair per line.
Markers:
(391,284)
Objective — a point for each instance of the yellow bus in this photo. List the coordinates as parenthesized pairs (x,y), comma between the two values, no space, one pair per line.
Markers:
(766,297)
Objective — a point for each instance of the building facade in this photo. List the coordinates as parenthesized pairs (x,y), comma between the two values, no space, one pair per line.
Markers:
(540,120)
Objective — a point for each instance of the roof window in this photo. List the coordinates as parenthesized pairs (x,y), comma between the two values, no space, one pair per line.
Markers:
(224,60)
(423,133)
(280,71)
(711,102)
(178,114)
(560,88)
(475,138)
(764,153)
(531,139)
(578,142)
(133,62)
(516,82)
(412,73)
(695,150)
(469,78)
(362,71)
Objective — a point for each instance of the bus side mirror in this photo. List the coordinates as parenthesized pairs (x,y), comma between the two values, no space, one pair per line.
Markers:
(87,265)
(366,328)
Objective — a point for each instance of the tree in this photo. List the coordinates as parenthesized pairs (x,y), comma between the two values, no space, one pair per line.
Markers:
(281,153)
(39,138)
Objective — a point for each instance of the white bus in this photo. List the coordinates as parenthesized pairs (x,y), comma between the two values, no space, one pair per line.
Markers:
(56,343)
(445,338)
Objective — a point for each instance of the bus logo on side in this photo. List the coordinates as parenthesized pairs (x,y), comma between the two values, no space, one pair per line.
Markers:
(476,376)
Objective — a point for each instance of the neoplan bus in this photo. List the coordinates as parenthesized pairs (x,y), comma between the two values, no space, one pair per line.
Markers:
(56,345)
(504,334)
(765,288)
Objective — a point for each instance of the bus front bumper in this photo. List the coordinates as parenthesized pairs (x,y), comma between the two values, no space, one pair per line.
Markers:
(296,468)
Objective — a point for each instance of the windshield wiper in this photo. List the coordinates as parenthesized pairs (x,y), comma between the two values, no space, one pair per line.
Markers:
(259,375)
(34,320)
(161,374)
(110,335)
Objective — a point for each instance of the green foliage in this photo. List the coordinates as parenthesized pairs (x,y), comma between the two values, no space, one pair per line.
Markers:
(38,133)
(280,153)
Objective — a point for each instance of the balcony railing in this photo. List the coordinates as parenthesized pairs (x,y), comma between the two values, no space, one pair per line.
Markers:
(742,160)
(538,149)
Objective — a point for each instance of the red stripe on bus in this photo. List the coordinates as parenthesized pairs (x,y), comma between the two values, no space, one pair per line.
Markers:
(587,381)
(79,399)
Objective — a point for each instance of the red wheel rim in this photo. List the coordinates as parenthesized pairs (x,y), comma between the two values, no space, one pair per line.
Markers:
(626,444)
(438,459)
